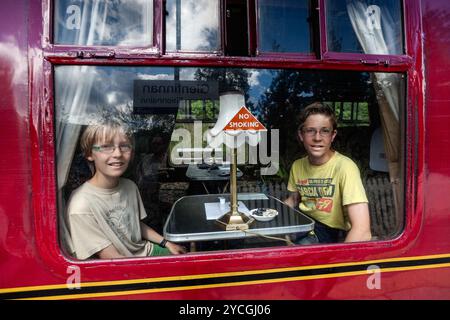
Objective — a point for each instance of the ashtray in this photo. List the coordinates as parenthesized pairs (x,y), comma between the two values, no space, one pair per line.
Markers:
(263,214)
(203,166)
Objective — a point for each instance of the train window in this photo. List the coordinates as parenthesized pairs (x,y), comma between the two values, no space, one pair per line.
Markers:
(206,26)
(192,25)
(372,27)
(275,96)
(103,23)
(236,28)
(275,21)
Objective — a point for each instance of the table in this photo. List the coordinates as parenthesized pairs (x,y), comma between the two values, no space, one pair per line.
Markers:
(212,177)
(187,221)
(205,172)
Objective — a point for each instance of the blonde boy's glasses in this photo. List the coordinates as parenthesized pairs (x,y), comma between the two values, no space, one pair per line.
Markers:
(109,148)
(312,132)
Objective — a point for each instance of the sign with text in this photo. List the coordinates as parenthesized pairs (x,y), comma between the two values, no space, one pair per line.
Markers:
(244,120)
(164,96)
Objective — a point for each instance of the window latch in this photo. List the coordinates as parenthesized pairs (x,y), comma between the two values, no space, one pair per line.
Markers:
(376,62)
(96,54)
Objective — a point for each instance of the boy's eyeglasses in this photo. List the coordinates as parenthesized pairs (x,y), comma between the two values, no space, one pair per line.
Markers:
(109,148)
(312,132)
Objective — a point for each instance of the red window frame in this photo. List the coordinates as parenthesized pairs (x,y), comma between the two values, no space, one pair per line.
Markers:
(44,55)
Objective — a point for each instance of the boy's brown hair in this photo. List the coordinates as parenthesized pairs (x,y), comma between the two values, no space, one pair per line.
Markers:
(317,108)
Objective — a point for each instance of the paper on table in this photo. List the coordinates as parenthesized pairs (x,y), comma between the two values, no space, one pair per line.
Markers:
(214,210)
(252,196)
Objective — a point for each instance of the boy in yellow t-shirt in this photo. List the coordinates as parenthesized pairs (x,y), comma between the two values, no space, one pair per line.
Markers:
(325,184)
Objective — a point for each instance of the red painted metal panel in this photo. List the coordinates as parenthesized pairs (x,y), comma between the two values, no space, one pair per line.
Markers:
(436,28)
(29,251)
(16,222)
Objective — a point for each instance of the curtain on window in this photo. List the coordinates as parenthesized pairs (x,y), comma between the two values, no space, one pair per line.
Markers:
(91,25)
(374,28)
(104,22)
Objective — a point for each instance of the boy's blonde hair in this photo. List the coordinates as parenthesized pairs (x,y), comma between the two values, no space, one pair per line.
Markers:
(103,132)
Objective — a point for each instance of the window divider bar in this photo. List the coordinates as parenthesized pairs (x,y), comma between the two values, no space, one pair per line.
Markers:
(252,27)
(159,30)
(322,29)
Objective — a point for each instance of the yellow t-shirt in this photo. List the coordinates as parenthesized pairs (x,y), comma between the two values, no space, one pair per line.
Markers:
(327,188)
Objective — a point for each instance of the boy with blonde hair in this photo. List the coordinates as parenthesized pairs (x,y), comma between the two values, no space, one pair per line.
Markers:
(105,213)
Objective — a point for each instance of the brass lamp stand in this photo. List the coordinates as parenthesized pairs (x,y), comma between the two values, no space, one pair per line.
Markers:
(234,220)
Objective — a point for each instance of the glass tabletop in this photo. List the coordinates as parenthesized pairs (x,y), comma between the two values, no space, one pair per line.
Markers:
(188,220)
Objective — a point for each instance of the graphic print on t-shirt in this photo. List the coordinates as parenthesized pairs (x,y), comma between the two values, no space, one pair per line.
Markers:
(317,194)
(118,220)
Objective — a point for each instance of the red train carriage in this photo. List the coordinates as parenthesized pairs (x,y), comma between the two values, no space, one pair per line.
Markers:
(381,65)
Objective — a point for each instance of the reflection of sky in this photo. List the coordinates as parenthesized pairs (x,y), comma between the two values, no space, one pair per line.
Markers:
(112,87)
(82,92)
(259,82)
(14,64)
(11,53)
(104,22)
(278,20)
(199,25)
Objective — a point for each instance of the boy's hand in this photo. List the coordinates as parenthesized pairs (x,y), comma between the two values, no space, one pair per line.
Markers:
(175,248)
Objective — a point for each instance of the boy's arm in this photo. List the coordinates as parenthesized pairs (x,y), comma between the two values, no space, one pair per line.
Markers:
(150,234)
(153,236)
(110,252)
(358,214)
(293,199)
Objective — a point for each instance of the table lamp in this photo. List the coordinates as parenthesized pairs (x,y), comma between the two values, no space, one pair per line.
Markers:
(231,103)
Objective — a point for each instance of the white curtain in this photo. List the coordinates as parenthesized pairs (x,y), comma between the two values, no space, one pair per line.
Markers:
(75,96)
(70,115)
(371,25)
(104,22)
(374,28)
(90,25)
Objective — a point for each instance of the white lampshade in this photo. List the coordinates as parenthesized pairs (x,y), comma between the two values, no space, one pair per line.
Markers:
(230,103)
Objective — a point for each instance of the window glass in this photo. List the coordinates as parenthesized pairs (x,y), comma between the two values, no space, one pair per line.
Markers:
(372,27)
(103,22)
(273,96)
(236,28)
(284,26)
(192,25)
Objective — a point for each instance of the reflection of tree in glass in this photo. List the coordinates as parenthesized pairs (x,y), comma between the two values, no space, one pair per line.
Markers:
(276,47)
(290,91)
(197,109)
(211,109)
(164,123)
(211,35)
(335,42)
(228,79)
